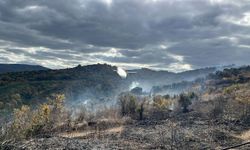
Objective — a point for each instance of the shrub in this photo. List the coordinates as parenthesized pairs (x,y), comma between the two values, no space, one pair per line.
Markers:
(161,102)
(41,120)
(185,100)
(27,123)
(128,104)
(218,107)
(21,123)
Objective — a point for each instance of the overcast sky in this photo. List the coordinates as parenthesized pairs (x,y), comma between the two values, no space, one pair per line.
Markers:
(174,35)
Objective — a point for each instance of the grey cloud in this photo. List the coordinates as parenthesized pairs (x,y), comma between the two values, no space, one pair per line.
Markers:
(72,30)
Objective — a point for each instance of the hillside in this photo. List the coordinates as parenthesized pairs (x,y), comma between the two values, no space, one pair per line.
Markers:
(5,68)
(97,82)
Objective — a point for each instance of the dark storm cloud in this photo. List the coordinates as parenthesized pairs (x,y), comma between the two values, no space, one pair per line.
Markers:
(166,34)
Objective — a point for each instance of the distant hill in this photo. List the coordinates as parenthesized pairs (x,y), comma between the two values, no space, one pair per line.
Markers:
(147,78)
(219,79)
(4,68)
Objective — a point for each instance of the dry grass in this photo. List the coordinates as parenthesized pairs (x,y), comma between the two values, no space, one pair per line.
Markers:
(88,133)
(245,135)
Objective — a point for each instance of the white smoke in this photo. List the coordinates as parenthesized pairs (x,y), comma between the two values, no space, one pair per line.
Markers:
(134,84)
(121,72)
(172,106)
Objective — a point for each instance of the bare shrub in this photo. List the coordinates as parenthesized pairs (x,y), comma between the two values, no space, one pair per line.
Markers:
(80,113)
(218,107)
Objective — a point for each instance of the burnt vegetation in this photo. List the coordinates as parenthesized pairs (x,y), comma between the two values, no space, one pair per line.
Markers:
(215,116)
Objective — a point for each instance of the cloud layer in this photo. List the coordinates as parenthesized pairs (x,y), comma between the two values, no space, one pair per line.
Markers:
(174,35)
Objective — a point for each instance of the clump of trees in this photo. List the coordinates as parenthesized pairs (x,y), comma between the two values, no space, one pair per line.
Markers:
(132,106)
(157,107)
(139,107)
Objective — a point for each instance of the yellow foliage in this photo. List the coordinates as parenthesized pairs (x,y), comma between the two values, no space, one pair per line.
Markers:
(42,115)
(27,122)
(161,103)
(21,123)
(57,102)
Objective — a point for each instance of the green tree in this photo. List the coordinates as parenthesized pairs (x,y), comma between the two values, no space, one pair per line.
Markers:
(184,101)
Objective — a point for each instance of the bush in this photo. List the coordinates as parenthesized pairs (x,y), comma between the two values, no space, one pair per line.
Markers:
(28,123)
(185,100)
(128,104)
(161,102)
(21,122)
